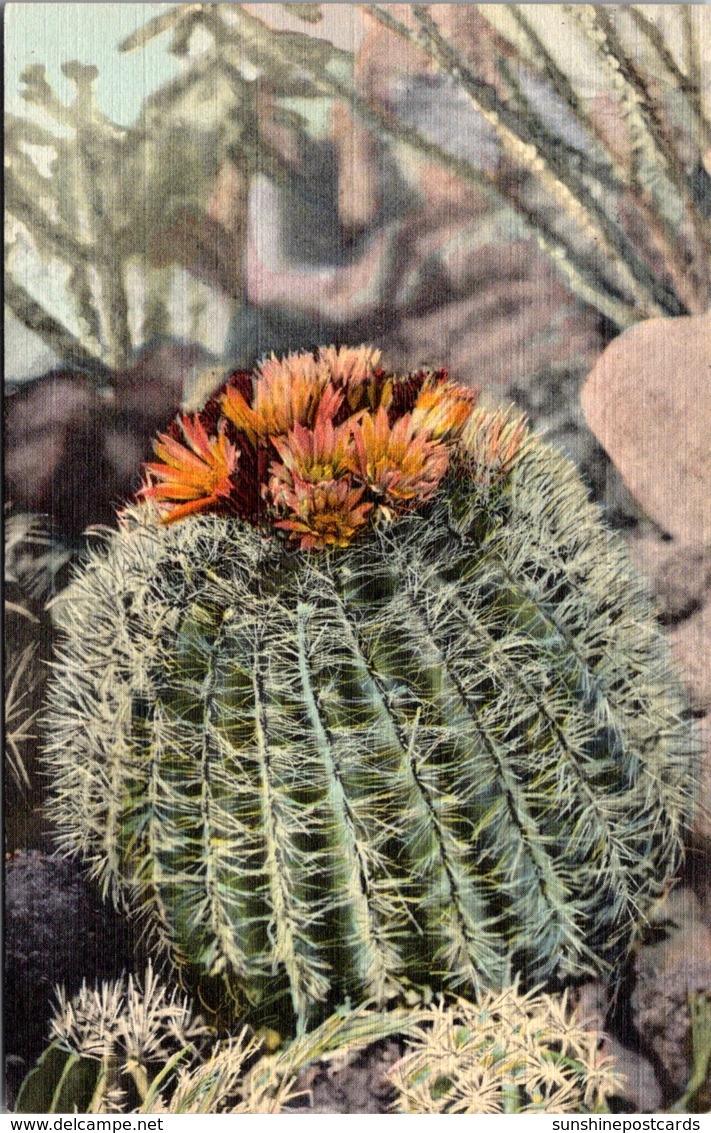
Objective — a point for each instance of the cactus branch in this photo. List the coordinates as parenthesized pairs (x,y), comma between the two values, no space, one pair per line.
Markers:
(531,144)
(663,234)
(32,315)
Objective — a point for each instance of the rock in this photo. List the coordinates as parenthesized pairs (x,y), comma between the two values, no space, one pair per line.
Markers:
(669,971)
(57,931)
(648,401)
(691,647)
(360,1085)
(680,580)
(74,448)
(506,328)
(699,853)
(640,1089)
(679,575)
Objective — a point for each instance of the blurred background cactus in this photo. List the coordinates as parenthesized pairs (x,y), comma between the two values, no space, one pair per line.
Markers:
(594,142)
(119,210)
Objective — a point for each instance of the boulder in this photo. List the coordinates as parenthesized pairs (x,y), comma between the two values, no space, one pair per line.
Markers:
(648,402)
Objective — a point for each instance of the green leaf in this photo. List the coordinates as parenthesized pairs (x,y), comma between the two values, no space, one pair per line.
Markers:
(62,1082)
(77,1086)
(39,1086)
(163,1077)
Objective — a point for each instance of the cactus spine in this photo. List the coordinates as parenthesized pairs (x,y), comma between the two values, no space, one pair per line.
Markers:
(448,752)
(508,1053)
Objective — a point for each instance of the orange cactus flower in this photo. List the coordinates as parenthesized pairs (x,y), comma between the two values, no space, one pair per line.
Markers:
(312,455)
(196,475)
(442,410)
(287,391)
(324,515)
(350,365)
(321,444)
(394,461)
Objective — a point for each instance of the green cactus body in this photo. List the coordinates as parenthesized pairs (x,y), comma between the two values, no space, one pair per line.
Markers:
(449,752)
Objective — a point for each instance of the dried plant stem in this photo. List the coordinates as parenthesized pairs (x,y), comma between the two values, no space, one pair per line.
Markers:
(58,338)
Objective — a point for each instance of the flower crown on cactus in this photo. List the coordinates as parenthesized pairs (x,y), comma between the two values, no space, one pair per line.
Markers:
(321,445)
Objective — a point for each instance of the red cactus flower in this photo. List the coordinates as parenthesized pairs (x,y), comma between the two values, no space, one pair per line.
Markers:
(196,476)
(312,455)
(325,514)
(325,443)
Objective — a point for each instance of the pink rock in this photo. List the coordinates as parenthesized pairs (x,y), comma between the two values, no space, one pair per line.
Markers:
(648,402)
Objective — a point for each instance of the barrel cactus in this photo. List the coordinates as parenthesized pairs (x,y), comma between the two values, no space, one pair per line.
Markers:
(362,697)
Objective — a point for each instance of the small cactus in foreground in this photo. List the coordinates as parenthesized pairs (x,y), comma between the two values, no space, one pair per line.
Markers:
(131,1046)
(508,1053)
(362,697)
(109,1045)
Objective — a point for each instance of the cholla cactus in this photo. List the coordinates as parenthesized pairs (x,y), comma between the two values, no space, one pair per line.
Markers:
(362,696)
(509,1053)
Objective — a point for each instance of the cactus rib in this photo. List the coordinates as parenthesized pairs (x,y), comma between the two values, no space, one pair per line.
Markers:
(449,752)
